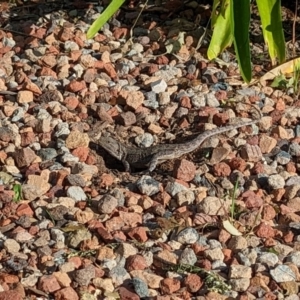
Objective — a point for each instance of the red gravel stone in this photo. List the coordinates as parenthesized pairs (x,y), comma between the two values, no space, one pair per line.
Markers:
(184,123)
(252,200)
(290,167)
(9,278)
(138,234)
(288,237)
(48,284)
(268,213)
(127,118)
(109,69)
(76,86)
(24,210)
(24,157)
(11,295)
(169,285)
(184,170)
(185,101)
(220,118)
(71,102)
(237,163)
(265,231)
(221,169)
(81,153)
(136,262)
(106,180)
(66,294)
(193,283)
(224,236)
(126,294)
(278,194)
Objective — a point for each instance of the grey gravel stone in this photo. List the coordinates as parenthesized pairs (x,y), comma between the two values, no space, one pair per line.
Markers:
(140,287)
(213,206)
(11,246)
(62,129)
(251,255)
(76,180)
(125,250)
(147,185)
(283,250)
(181,111)
(164,98)
(58,237)
(47,153)
(270,259)
(283,273)
(294,180)
(71,46)
(44,115)
(145,140)
(41,241)
(118,194)
(276,181)
(199,100)
(68,157)
(5,178)
(237,243)
(151,104)
(150,96)
(185,197)
(85,275)
(294,258)
(291,191)
(8,42)
(188,257)
(211,100)
(174,188)
(76,193)
(122,68)
(214,244)
(18,114)
(294,149)
(239,285)
(167,73)
(108,263)
(283,158)
(214,254)
(107,204)
(187,236)
(219,265)
(118,275)
(243,259)
(158,86)
(239,271)
(75,239)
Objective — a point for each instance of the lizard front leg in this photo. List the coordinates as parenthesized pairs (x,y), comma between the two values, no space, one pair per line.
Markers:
(153,163)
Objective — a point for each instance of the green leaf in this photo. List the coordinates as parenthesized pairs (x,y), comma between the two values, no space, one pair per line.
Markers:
(280,82)
(221,37)
(270,15)
(105,16)
(240,20)
(174,46)
(17,188)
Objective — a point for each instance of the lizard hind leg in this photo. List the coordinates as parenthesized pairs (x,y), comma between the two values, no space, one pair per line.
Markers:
(126,166)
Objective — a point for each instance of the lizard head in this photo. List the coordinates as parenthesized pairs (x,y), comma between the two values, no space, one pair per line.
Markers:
(113,147)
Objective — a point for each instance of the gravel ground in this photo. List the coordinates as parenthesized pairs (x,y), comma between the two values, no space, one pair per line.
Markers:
(219,223)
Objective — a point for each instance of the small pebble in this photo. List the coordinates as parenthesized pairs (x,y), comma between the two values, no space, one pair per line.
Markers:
(147,185)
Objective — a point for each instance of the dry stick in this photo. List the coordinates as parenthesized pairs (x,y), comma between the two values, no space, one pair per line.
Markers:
(294,29)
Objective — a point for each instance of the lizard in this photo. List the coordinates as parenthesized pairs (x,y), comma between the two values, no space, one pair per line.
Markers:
(151,156)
